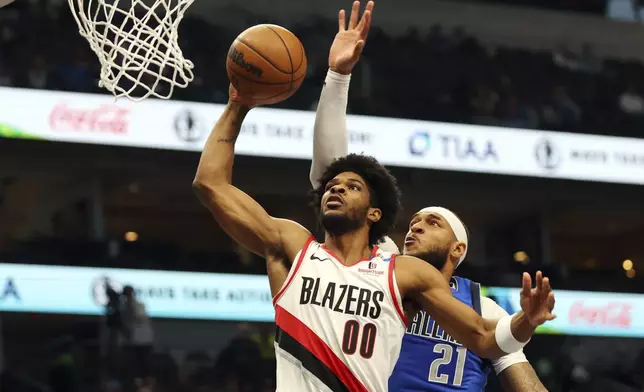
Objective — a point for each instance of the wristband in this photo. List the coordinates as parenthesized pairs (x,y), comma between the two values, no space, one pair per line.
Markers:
(332,76)
(504,338)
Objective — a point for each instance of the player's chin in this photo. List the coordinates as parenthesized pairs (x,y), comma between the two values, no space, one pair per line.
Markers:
(410,249)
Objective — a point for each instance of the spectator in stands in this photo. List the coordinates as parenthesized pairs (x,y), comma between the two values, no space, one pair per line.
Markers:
(483,105)
(264,337)
(242,358)
(435,39)
(588,61)
(514,114)
(114,327)
(63,372)
(138,337)
(165,371)
(562,111)
(195,371)
(74,73)
(38,73)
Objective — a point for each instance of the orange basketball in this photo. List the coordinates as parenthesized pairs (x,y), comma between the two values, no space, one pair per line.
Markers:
(266,63)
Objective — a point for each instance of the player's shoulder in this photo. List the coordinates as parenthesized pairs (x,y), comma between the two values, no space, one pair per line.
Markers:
(415,265)
(414,273)
(404,263)
(292,226)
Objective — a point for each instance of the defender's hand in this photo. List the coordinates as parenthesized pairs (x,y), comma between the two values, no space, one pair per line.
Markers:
(239,99)
(349,42)
(537,303)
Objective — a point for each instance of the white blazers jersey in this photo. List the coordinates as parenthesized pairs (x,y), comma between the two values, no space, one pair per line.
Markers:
(339,328)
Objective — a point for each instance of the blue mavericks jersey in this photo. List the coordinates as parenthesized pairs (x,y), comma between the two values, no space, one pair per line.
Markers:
(431,360)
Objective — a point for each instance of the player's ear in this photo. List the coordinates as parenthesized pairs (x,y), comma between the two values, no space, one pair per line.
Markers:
(374,214)
(458,250)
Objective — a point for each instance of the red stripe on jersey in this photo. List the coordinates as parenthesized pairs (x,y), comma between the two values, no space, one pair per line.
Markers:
(392,289)
(374,251)
(307,338)
(296,266)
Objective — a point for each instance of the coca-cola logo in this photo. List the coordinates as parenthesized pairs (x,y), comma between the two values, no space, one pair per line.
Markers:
(614,314)
(106,118)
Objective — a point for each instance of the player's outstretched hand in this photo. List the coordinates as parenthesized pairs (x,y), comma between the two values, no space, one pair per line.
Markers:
(349,42)
(238,98)
(537,303)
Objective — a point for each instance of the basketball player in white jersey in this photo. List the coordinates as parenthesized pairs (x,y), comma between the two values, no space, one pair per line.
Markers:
(338,304)
(432,232)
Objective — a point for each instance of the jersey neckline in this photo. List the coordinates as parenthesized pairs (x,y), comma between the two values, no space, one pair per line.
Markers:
(374,253)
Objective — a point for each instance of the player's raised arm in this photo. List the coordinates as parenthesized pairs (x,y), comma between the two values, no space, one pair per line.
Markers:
(424,284)
(330,136)
(239,215)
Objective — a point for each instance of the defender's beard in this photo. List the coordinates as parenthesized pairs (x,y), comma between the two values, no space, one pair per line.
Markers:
(436,256)
(337,225)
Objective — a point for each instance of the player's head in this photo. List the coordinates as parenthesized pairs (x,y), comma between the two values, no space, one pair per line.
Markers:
(355,191)
(437,235)
(128,292)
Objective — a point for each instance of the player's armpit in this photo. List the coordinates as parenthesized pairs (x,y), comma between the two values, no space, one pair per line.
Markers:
(521,377)
(424,284)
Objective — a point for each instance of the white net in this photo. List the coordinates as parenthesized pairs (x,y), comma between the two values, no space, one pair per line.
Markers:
(137,44)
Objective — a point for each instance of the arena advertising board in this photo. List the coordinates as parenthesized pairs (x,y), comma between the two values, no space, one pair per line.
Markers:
(166,294)
(98,119)
(584,313)
(207,296)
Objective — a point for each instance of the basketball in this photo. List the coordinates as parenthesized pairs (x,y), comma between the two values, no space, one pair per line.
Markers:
(266,63)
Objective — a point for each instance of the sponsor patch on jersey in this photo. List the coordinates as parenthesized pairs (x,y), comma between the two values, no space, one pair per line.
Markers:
(372,269)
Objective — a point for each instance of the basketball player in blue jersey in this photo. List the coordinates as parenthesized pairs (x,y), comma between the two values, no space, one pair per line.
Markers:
(430,360)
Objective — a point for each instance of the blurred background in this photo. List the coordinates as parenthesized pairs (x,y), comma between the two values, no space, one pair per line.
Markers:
(524,116)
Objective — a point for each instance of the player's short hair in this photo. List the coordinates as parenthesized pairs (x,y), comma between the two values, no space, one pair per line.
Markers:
(383,190)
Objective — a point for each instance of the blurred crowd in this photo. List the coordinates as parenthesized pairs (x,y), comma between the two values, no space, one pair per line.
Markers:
(247,364)
(73,364)
(123,254)
(434,75)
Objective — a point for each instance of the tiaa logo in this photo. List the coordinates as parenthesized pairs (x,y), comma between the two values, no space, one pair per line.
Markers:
(419,143)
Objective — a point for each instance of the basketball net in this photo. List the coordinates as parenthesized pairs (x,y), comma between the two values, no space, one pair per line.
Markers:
(136,42)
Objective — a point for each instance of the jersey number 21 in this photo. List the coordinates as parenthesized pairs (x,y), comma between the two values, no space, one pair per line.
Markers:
(445,352)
